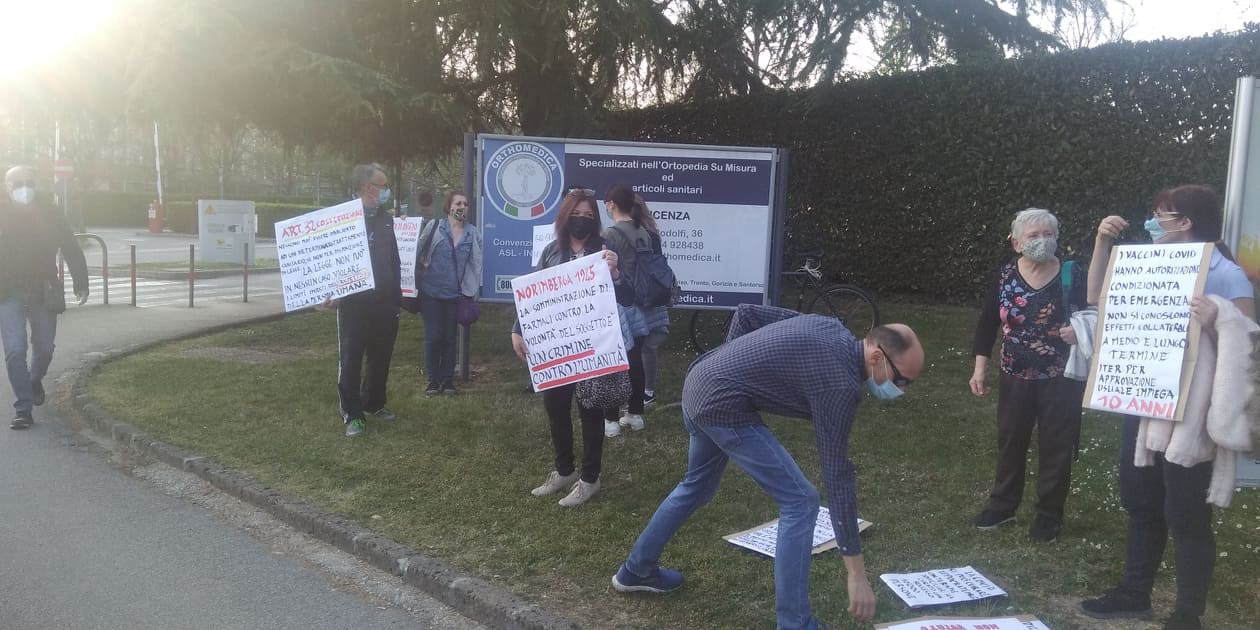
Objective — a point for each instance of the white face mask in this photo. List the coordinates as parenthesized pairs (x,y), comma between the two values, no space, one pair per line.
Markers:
(23,196)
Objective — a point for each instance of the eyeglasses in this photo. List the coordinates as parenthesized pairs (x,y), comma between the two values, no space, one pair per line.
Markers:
(898,379)
(23,182)
(579,191)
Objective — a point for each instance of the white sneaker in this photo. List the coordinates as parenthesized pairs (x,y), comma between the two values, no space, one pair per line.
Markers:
(582,492)
(632,421)
(611,429)
(555,483)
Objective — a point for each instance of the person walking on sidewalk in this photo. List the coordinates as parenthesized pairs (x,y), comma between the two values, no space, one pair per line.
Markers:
(367,323)
(31,234)
(779,361)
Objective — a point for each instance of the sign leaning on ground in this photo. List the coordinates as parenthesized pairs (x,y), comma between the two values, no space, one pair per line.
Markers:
(715,207)
(226,229)
(568,317)
(1147,342)
(407,233)
(324,254)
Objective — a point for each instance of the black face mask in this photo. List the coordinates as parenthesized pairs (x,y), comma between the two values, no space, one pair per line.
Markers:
(581,227)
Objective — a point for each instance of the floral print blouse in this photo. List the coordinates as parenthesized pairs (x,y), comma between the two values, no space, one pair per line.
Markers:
(1030,320)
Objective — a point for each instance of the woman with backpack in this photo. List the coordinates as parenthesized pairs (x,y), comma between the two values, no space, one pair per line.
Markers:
(627,236)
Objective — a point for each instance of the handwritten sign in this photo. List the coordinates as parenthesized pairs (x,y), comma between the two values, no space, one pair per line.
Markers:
(1023,622)
(543,235)
(1147,342)
(568,316)
(324,254)
(941,586)
(407,233)
(762,538)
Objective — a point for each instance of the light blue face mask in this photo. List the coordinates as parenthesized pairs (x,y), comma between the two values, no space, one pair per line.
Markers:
(384,198)
(883,391)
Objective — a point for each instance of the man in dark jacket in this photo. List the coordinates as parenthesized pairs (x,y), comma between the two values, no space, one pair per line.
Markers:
(31,233)
(367,323)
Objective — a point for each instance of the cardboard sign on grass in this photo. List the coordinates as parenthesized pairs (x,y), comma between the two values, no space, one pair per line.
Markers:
(942,586)
(1146,342)
(568,316)
(324,254)
(1022,622)
(762,538)
(407,233)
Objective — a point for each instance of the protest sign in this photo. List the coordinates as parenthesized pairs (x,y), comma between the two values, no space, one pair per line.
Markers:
(407,233)
(1022,622)
(1146,341)
(942,586)
(324,254)
(568,317)
(762,538)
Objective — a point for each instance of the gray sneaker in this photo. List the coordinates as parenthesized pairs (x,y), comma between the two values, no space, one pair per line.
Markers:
(383,414)
(356,427)
(581,493)
(22,421)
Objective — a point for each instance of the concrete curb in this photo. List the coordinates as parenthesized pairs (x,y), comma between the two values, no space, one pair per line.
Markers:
(473,597)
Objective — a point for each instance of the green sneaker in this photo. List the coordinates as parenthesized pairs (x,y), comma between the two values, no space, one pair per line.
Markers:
(356,427)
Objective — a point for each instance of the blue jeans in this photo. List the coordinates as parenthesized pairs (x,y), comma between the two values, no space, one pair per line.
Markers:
(16,311)
(759,454)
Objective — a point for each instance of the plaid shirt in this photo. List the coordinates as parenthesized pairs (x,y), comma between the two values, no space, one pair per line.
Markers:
(801,366)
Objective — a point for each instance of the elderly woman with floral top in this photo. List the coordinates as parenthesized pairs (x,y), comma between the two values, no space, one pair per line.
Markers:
(1028,302)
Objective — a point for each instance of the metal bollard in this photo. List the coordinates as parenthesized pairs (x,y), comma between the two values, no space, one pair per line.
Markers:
(191,274)
(133,275)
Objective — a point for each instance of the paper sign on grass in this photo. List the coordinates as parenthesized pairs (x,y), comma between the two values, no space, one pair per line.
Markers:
(543,235)
(407,233)
(1146,342)
(324,254)
(568,316)
(942,586)
(1022,622)
(762,538)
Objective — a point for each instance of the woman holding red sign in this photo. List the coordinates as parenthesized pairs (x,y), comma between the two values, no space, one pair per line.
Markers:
(577,235)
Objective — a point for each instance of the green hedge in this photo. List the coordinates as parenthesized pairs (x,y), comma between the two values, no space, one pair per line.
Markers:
(910,181)
(113,209)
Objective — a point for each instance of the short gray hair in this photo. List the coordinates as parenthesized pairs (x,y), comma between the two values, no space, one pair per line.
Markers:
(363,174)
(1033,216)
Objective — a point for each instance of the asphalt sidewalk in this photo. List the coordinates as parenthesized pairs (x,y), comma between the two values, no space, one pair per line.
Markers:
(96,333)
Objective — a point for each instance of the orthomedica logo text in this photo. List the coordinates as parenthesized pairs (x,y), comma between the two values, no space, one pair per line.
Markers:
(524,180)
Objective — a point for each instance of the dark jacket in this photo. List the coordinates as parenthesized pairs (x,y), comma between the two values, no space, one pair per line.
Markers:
(29,239)
(386,266)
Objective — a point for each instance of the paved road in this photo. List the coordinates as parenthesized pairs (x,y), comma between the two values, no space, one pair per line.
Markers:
(151,292)
(84,545)
(152,247)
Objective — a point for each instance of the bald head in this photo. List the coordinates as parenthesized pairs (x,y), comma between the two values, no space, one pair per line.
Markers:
(18,174)
(899,344)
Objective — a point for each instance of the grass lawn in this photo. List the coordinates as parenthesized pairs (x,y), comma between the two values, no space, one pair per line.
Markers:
(452,477)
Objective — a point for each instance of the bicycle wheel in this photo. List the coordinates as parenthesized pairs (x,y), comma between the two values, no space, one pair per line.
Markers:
(849,304)
(708,329)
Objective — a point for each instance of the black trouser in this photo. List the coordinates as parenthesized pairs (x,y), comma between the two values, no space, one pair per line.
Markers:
(365,330)
(1162,498)
(440,333)
(638,379)
(1054,406)
(558,403)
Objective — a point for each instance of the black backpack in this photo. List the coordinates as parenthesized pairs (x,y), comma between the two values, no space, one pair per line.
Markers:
(654,282)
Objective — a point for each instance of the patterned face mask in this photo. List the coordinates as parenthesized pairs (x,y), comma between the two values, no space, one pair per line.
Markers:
(1040,249)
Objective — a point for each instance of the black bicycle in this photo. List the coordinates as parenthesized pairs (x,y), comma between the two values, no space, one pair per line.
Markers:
(848,303)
